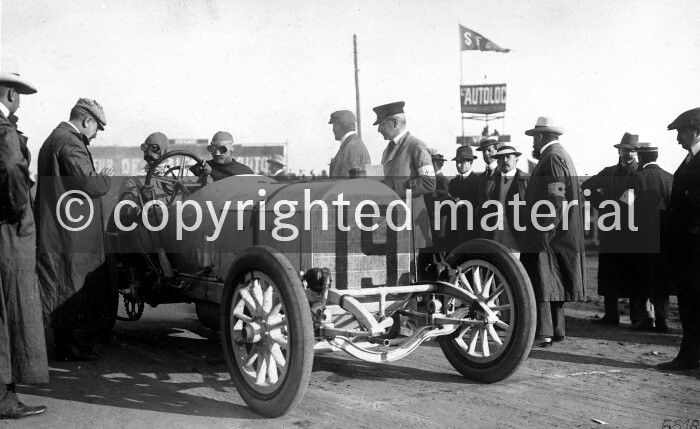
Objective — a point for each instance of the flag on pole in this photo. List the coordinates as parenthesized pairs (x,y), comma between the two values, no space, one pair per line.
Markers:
(473,41)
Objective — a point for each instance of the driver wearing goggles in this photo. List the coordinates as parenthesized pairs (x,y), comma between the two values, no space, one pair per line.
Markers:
(222,164)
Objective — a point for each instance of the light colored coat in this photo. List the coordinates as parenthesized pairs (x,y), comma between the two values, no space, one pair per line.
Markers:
(351,154)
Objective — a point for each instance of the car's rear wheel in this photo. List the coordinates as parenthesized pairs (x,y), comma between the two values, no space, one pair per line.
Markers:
(267,332)
(504,301)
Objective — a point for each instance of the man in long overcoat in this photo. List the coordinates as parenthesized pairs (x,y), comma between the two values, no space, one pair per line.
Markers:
(464,187)
(407,166)
(552,249)
(352,154)
(440,193)
(653,187)
(615,261)
(685,254)
(22,347)
(70,264)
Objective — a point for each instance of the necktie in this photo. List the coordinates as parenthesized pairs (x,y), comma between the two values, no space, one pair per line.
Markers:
(505,180)
(392,143)
(689,157)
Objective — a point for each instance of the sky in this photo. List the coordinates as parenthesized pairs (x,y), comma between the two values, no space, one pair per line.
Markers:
(272,72)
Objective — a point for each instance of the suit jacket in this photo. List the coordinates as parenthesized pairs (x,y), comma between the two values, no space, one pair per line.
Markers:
(351,154)
(555,260)
(518,188)
(14,173)
(439,194)
(410,166)
(464,189)
(684,210)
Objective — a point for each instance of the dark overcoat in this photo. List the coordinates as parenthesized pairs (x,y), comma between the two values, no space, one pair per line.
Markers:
(616,252)
(440,193)
(653,187)
(555,260)
(22,346)
(517,188)
(351,154)
(70,265)
(409,166)
(464,189)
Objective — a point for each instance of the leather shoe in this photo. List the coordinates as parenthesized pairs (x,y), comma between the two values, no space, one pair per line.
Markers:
(22,410)
(543,342)
(558,338)
(678,365)
(643,325)
(661,325)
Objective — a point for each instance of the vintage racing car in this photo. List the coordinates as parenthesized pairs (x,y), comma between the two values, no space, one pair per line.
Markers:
(277,298)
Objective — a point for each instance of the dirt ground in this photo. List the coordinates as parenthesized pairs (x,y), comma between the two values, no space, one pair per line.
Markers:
(167,371)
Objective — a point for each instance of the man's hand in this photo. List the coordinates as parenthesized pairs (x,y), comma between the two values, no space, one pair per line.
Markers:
(147,193)
(201,169)
(107,172)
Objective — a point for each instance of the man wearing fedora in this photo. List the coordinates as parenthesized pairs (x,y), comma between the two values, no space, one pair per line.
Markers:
(440,193)
(464,187)
(407,166)
(352,154)
(684,210)
(275,167)
(653,187)
(70,264)
(22,346)
(552,245)
(509,183)
(615,261)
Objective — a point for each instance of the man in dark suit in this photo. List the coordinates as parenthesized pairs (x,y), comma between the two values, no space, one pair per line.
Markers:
(488,146)
(352,157)
(615,262)
(464,187)
(439,194)
(509,183)
(685,253)
(552,249)
(653,187)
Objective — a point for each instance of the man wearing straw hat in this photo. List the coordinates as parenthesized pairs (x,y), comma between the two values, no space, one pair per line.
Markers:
(22,346)
(275,167)
(552,245)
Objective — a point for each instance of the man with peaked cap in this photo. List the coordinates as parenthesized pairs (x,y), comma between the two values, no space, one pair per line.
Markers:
(440,193)
(653,194)
(223,164)
(510,184)
(22,346)
(552,247)
(615,261)
(70,264)
(275,167)
(407,166)
(464,187)
(685,220)
(352,154)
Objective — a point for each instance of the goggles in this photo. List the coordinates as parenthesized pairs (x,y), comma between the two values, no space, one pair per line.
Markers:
(152,146)
(215,149)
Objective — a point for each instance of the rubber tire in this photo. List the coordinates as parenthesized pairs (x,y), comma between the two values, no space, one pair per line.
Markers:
(524,307)
(300,355)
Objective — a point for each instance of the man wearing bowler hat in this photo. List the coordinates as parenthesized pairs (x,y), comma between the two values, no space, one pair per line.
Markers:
(615,261)
(552,245)
(510,184)
(352,154)
(653,186)
(70,264)
(407,166)
(464,187)
(685,236)
(22,346)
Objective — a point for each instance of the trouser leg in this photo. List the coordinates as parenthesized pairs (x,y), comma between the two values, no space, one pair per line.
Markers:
(640,309)
(559,325)
(688,304)
(611,311)
(544,319)
(661,307)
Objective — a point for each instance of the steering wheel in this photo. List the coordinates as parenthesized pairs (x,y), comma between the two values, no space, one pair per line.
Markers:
(178,186)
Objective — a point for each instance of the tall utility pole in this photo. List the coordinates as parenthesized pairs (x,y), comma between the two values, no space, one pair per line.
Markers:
(357,87)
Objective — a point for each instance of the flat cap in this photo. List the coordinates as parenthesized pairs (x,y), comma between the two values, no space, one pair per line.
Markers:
(156,138)
(386,110)
(464,153)
(486,142)
(689,118)
(13,80)
(222,137)
(629,142)
(277,159)
(94,109)
(342,117)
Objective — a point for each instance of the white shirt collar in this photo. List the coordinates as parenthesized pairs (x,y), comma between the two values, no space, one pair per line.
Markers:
(74,127)
(5,111)
(345,137)
(511,173)
(398,138)
(492,166)
(650,163)
(548,145)
(695,148)
(465,175)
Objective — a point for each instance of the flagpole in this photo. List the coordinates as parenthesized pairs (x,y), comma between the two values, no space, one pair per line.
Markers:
(357,87)
(461,74)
